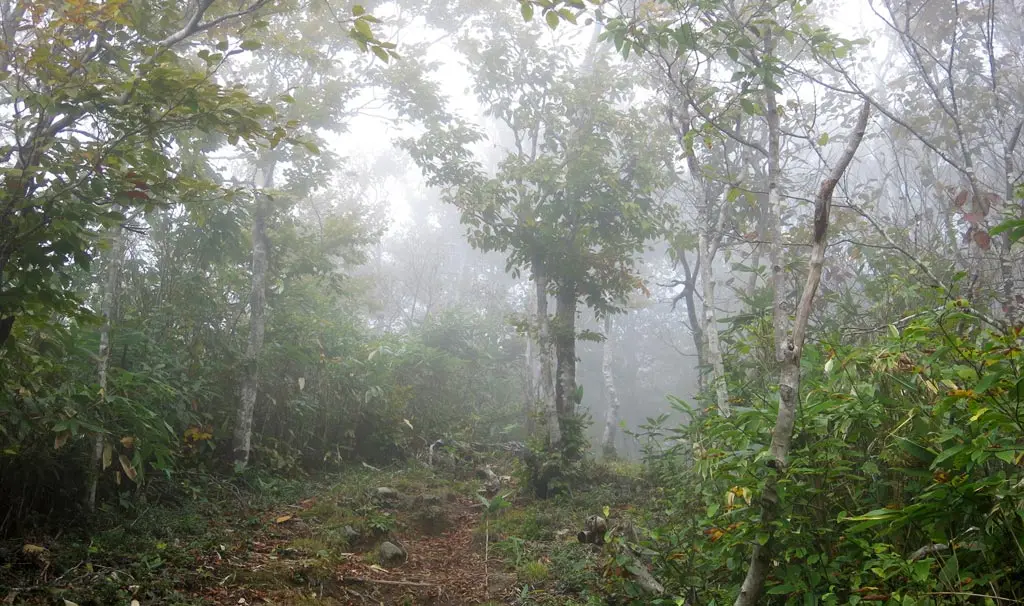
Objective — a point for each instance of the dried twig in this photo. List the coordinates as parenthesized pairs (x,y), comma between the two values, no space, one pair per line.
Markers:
(384,582)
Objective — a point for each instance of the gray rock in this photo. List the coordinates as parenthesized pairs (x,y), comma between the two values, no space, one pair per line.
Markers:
(498,583)
(427,500)
(387,494)
(391,554)
(350,534)
(432,519)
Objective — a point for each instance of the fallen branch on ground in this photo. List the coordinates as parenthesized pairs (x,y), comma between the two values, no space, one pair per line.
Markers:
(384,582)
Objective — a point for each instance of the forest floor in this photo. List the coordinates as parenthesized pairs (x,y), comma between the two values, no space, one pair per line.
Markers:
(406,536)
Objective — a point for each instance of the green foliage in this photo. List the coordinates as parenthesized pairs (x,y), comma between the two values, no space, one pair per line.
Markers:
(910,444)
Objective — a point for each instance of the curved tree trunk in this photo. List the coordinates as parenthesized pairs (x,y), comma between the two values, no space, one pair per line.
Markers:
(611,417)
(789,349)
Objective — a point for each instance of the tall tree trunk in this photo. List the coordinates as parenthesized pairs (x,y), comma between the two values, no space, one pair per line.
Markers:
(107,305)
(532,372)
(790,349)
(709,248)
(544,343)
(257,325)
(688,297)
(565,354)
(611,417)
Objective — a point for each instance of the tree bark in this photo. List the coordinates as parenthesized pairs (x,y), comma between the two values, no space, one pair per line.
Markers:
(565,354)
(696,330)
(532,372)
(107,305)
(790,350)
(547,385)
(709,248)
(257,325)
(611,417)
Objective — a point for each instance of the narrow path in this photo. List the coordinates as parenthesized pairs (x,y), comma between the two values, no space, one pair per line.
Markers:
(444,569)
(291,560)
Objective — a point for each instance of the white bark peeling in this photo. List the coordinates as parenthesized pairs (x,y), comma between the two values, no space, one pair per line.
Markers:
(611,418)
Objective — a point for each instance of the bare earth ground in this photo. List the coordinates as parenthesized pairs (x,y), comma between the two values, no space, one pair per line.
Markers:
(318,541)
(446,568)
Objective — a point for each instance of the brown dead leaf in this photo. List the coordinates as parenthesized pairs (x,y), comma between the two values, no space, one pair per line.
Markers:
(126,465)
(283,519)
(61,439)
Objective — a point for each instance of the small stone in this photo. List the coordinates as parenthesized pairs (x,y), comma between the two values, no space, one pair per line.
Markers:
(391,554)
(387,494)
(432,520)
(498,582)
(350,534)
(426,500)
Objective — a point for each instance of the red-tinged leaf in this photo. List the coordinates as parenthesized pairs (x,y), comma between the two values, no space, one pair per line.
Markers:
(961,198)
(973,218)
(983,240)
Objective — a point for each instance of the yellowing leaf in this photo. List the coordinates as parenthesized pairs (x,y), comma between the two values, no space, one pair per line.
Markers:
(283,519)
(29,549)
(108,455)
(128,442)
(126,465)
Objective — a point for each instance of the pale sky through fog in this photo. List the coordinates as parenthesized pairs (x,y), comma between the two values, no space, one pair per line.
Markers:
(371,137)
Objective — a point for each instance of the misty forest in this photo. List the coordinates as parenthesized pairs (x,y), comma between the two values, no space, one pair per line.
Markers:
(532,302)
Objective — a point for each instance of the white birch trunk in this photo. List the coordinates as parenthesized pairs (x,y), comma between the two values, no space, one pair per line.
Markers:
(709,250)
(611,417)
(107,305)
(257,327)
(545,358)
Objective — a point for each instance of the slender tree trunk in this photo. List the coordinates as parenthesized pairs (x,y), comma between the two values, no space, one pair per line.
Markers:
(544,357)
(689,290)
(565,354)
(532,371)
(107,306)
(790,349)
(611,417)
(257,325)
(709,248)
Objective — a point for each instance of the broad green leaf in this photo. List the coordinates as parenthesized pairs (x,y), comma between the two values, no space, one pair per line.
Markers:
(552,18)
(916,450)
(526,8)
